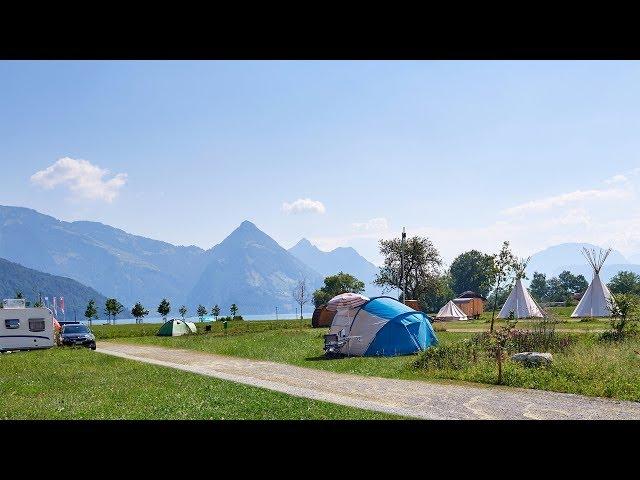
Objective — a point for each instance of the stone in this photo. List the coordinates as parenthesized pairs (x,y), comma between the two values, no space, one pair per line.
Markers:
(532,359)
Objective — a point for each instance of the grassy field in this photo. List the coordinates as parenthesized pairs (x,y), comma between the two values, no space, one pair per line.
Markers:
(69,383)
(589,367)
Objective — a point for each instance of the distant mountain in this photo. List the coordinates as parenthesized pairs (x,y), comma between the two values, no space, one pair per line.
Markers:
(568,256)
(32,283)
(111,261)
(251,269)
(345,259)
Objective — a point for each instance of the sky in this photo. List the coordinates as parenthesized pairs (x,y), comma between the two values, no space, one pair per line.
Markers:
(343,153)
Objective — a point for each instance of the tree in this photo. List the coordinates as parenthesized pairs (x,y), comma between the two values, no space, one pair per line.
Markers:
(625,314)
(437,293)
(164,308)
(472,270)
(234,309)
(91,312)
(139,312)
(335,285)
(504,264)
(112,308)
(625,282)
(183,311)
(538,286)
(215,311)
(421,262)
(202,311)
(301,293)
(573,283)
(556,290)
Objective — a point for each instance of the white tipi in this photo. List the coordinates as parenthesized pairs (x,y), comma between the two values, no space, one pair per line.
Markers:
(596,301)
(450,312)
(520,301)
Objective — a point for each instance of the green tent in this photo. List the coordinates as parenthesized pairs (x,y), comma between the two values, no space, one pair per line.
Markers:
(175,328)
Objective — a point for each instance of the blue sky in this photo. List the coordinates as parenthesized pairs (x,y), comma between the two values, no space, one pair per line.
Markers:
(467,153)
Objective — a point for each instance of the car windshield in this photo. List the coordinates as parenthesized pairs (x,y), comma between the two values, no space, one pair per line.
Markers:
(75,329)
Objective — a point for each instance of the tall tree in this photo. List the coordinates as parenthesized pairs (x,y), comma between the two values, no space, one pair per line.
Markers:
(215,311)
(504,264)
(201,311)
(112,308)
(91,312)
(183,311)
(625,282)
(335,285)
(164,308)
(437,293)
(421,263)
(538,286)
(233,309)
(138,311)
(301,293)
(573,283)
(472,270)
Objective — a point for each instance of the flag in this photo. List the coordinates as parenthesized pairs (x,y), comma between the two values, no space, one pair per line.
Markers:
(55,306)
(46,302)
(62,305)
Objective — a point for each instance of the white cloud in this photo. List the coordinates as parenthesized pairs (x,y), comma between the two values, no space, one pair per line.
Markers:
(303,205)
(81,177)
(378,224)
(616,179)
(564,199)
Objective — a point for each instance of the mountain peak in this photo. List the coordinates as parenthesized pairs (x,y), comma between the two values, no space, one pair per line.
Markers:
(303,243)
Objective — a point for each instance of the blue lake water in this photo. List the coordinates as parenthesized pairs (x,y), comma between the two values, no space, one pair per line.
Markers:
(270,316)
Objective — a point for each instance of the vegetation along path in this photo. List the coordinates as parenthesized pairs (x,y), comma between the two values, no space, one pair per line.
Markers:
(402,397)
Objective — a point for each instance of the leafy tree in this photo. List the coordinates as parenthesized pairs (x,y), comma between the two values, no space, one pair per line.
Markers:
(421,263)
(556,290)
(625,282)
(215,311)
(183,311)
(19,294)
(625,313)
(301,294)
(91,312)
(335,285)
(538,286)
(437,293)
(573,283)
(233,309)
(504,264)
(139,312)
(112,308)
(164,308)
(472,270)
(202,311)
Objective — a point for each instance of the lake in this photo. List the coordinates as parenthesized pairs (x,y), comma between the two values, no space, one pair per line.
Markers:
(208,318)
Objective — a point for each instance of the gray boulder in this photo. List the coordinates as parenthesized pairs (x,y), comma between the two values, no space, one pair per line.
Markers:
(532,359)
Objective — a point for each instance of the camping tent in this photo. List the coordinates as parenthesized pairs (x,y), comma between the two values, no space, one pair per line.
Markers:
(450,312)
(521,303)
(175,328)
(596,301)
(381,326)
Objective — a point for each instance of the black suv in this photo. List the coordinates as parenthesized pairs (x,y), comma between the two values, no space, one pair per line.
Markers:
(77,334)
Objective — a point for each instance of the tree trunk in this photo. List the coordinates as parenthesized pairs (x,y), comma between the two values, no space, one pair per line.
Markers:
(500,366)
(495,304)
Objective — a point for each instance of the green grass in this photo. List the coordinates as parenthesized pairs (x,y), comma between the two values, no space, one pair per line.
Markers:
(69,383)
(589,367)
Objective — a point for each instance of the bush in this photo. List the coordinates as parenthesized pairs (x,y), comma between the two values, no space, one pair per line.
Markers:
(455,356)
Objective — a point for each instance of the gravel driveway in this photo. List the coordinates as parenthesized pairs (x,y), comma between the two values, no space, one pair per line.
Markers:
(403,397)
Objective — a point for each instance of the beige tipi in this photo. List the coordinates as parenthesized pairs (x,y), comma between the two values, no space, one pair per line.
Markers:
(596,301)
(450,312)
(521,303)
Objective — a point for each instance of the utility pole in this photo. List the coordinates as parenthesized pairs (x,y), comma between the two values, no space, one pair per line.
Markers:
(402,282)
(276,312)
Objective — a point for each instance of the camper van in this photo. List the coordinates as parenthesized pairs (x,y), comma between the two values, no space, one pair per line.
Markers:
(25,328)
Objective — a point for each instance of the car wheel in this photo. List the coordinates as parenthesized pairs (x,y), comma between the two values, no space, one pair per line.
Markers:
(93,346)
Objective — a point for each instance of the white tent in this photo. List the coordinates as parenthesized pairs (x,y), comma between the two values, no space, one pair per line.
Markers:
(450,312)
(521,303)
(596,301)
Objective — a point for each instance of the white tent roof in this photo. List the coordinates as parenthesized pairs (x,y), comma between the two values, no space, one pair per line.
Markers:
(346,301)
(595,301)
(450,312)
(521,303)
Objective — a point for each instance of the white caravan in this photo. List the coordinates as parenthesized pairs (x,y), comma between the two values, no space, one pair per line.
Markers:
(25,328)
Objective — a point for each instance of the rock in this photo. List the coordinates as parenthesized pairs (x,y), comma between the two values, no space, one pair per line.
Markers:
(532,359)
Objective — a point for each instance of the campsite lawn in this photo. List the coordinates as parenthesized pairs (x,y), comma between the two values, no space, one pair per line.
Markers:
(589,367)
(73,383)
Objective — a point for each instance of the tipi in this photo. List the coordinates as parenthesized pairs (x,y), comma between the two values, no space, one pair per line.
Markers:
(520,301)
(450,312)
(596,301)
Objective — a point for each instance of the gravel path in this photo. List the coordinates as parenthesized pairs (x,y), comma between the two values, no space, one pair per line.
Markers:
(403,397)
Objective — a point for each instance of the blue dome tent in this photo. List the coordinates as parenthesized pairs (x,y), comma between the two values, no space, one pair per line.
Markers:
(381,326)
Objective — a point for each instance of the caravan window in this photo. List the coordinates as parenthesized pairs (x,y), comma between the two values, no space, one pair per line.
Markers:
(36,324)
(12,323)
